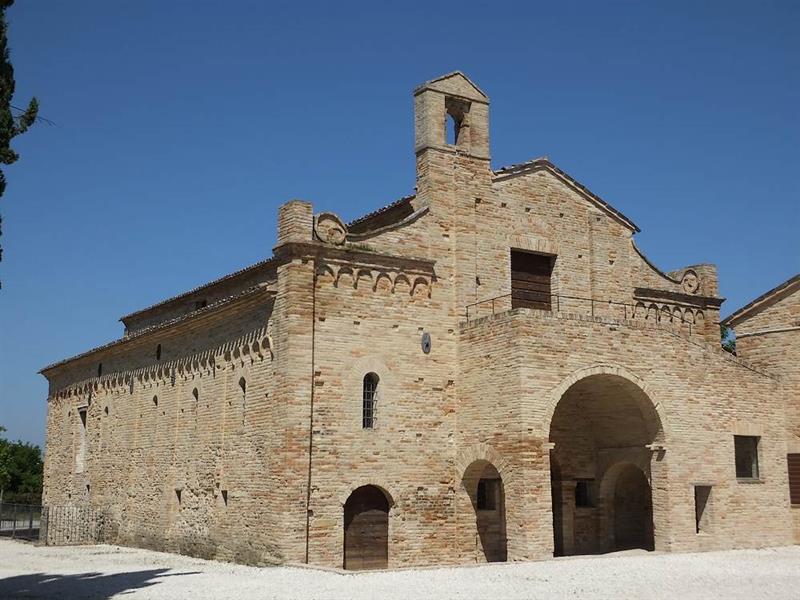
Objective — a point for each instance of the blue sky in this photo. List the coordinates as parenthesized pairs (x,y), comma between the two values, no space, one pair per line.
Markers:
(182,126)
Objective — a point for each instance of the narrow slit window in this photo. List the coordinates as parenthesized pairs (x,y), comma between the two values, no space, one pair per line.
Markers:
(584,497)
(486,497)
(793,463)
(80,457)
(370,397)
(746,450)
(158,352)
(702,495)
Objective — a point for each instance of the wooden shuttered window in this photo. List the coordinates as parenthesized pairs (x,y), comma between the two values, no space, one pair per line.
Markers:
(530,280)
(793,461)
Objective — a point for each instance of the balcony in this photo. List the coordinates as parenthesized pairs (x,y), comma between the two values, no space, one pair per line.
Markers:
(685,319)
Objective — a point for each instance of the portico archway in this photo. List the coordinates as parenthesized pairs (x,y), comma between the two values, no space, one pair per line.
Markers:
(485,489)
(607,437)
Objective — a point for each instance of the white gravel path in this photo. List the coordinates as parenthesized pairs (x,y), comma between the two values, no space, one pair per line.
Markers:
(95,572)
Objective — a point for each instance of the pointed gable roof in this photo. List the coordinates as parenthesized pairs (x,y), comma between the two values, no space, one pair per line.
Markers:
(454,83)
(543,163)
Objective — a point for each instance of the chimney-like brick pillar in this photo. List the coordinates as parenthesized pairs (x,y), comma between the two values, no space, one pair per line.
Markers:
(295,222)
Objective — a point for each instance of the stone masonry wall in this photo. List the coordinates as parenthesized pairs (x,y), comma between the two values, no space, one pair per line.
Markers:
(261,398)
(705,396)
(770,338)
(149,436)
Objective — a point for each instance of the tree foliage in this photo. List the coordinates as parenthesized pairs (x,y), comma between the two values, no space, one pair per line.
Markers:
(727,339)
(21,469)
(11,125)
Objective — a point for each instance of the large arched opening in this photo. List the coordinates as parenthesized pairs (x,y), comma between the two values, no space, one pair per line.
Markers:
(366,529)
(606,435)
(484,486)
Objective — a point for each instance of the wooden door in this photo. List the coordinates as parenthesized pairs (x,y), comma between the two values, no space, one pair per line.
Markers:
(793,461)
(366,529)
(530,280)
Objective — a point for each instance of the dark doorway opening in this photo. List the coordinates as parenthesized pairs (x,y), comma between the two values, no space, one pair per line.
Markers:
(366,529)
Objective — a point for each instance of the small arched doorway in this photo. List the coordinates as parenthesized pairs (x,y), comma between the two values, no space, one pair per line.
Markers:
(366,529)
(632,510)
(604,429)
(484,486)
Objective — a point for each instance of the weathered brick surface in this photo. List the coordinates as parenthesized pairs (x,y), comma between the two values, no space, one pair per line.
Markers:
(768,335)
(626,370)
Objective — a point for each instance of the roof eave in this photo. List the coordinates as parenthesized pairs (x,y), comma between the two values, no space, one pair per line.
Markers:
(205,311)
(785,287)
(184,295)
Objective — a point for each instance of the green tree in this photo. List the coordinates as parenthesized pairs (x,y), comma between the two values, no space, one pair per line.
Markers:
(11,125)
(727,339)
(21,470)
(5,475)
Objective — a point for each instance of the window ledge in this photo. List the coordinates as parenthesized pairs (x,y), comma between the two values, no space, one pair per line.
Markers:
(749,480)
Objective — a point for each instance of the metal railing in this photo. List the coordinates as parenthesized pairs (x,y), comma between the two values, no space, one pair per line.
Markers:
(20,521)
(69,525)
(650,310)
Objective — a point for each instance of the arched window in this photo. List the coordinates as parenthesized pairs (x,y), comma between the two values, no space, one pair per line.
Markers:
(370,398)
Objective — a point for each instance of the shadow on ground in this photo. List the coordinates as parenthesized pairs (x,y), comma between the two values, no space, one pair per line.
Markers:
(91,586)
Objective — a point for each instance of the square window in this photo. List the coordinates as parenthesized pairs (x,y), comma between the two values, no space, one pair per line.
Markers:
(487,494)
(584,493)
(746,449)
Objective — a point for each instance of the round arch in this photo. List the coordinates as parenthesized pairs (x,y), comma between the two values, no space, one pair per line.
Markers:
(557,393)
(604,421)
(625,497)
(365,524)
(482,500)
(480,452)
(345,493)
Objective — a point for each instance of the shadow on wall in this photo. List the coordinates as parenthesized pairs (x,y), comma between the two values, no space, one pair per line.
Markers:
(91,586)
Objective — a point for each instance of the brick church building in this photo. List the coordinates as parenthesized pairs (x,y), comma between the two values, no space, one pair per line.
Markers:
(486,370)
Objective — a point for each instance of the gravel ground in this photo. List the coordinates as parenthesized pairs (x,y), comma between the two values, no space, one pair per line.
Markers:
(27,571)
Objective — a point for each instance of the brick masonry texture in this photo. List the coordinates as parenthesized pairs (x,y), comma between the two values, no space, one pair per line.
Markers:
(227,423)
(768,336)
